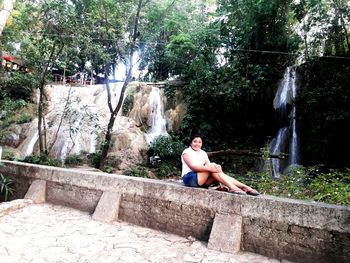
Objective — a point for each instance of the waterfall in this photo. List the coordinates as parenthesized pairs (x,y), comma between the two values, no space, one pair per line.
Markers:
(76,118)
(158,125)
(278,146)
(79,113)
(30,146)
(294,151)
(285,96)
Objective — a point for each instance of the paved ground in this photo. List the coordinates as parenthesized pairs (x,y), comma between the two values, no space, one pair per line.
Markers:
(48,233)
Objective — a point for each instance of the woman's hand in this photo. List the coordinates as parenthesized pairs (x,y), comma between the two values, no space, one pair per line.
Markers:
(215,168)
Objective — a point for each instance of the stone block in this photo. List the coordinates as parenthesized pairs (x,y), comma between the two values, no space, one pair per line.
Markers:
(226,233)
(37,192)
(80,198)
(108,207)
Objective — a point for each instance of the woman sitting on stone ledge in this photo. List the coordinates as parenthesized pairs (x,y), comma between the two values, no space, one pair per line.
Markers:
(198,171)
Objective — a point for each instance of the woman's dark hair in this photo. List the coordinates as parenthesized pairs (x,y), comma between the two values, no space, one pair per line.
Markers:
(196,135)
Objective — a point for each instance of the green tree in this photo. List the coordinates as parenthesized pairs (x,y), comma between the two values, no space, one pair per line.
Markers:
(168,24)
(134,34)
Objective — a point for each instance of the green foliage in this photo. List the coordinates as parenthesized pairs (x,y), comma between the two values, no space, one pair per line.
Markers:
(95,158)
(13,112)
(24,117)
(7,155)
(6,186)
(128,102)
(169,149)
(166,147)
(180,53)
(168,169)
(111,163)
(307,184)
(18,86)
(42,160)
(332,187)
(323,104)
(137,171)
(75,159)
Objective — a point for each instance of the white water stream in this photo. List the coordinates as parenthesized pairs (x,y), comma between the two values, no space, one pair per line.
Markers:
(287,135)
(78,114)
(158,126)
(81,114)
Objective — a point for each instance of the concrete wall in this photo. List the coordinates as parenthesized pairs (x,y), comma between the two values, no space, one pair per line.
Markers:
(281,228)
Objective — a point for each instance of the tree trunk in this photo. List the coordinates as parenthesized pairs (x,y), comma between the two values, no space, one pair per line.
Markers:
(114,113)
(41,117)
(5,13)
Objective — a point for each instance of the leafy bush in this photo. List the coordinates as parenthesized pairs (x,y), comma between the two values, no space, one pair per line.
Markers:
(95,158)
(127,104)
(24,117)
(43,160)
(18,86)
(7,155)
(6,186)
(304,183)
(168,170)
(137,171)
(169,150)
(75,159)
(14,111)
(332,187)
(111,162)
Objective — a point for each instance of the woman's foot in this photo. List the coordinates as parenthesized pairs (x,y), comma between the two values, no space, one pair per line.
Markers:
(237,191)
(251,191)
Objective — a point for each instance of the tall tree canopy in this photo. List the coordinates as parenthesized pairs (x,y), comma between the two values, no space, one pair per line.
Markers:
(230,55)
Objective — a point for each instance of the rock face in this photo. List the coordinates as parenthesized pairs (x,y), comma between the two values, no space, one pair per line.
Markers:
(175,112)
(141,109)
(81,122)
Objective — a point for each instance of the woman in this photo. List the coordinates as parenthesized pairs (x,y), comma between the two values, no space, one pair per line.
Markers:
(198,171)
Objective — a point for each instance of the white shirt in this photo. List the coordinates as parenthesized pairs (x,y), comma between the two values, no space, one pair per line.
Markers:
(199,159)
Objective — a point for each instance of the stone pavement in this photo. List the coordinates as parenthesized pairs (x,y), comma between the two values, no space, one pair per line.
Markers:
(39,233)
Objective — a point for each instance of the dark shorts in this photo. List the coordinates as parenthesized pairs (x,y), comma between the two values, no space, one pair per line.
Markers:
(191,179)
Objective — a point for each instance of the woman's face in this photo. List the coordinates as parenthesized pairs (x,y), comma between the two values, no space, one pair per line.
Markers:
(196,143)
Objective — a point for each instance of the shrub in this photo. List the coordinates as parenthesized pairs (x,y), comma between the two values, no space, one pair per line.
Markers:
(6,186)
(43,160)
(111,162)
(127,104)
(168,170)
(137,171)
(331,187)
(95,159)
(8,155)
(75,159)
(24,117)
(14,111)
(18,86)
(169,150)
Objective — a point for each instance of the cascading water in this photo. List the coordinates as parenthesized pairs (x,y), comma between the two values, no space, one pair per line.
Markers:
(77,117)
(294,151)
(158,126)
(78,114)
(277,146)
(285,95)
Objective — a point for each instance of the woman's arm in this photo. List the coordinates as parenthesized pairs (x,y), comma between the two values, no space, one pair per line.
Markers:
(217,167)
(189,159)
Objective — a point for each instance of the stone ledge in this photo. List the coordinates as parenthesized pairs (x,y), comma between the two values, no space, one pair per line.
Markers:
(275,227)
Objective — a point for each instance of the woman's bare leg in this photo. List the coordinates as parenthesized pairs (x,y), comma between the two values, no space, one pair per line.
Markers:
(206,178)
